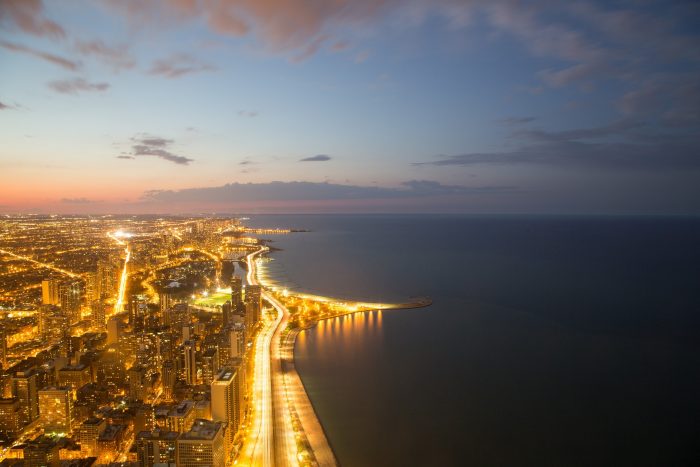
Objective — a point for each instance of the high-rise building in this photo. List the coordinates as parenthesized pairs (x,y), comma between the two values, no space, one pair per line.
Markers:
(137,383)
(107,278)
(168,378)
(226,313)
(236,295)
(74,376)
(49,292)
(98,314)
(70,294)
(3,346)
(190,358)
(227,400)
(253,307)
(202,446)
(181,417)
(210,365)
(56,409)
(89,434)
(156,447)
(113,330)
(10,417)
(24,388)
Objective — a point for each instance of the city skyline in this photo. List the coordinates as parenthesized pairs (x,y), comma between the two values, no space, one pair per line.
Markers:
(396,106)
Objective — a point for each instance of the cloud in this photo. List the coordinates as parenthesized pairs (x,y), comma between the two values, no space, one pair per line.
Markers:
(28,16)
(318,158)
(156,147)
(303,191)
(4,106)
(51,58)
(76,85)
(117,57)
(517,120)
(248,113)
(620,145)
(79,201)
(282,25)
(154,141)
(178,65)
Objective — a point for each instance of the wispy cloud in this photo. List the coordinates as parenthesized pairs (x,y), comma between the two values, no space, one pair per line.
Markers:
(248,113)
(77,85)
(620,145)
(517,120)
(79,201)
(177,66)
(116,57)
(51,58)
(317,158)
(4,106)
(156,147)
(28,16)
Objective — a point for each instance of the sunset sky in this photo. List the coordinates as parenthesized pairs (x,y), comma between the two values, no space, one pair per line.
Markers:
(349,106)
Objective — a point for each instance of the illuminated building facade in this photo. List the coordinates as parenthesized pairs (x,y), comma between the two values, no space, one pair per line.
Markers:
(227,400)
(202,446)
(56,410)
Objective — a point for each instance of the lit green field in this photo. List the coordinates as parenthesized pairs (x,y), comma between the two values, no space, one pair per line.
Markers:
(215,299)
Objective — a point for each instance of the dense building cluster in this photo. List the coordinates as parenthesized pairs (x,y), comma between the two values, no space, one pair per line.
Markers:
(107,356)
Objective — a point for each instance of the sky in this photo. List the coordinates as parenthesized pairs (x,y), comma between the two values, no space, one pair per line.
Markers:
(257,106)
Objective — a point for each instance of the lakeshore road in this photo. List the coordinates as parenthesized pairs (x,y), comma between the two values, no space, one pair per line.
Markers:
(258,448)
(279,397)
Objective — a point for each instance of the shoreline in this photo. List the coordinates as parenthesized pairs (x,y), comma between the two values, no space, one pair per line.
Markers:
(291,404)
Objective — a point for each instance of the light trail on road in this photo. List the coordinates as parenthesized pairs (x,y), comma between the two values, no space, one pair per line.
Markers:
(45,265)
(258,448)
(124,276)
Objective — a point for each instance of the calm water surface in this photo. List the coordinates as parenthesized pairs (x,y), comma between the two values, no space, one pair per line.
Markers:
(551,341)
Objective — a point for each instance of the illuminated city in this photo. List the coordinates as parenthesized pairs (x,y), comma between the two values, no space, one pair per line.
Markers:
(358,233)
(134,339)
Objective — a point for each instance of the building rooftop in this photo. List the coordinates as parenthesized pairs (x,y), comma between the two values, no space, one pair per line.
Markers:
(204,430)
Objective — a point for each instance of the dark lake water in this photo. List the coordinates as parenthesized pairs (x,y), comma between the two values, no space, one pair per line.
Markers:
(551,341)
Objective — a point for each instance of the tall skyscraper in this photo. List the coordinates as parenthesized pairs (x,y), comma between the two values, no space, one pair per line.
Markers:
(98,314)
(253,301)
(3,346)
(202,446)
(56,410)
(49,292)
(209,365)
(24,388)
(190,358)
(107,278)
(236,295)
(168,378)
(70,294)
(227,400)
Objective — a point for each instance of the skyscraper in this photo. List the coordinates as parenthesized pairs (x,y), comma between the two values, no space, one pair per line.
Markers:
(168,379)
(49,292)
(98,314)
(70,294)
(190,357)
(236,295)
(56,409)
(24,388)
(227,400)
